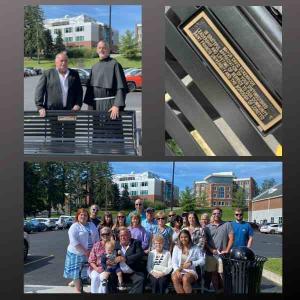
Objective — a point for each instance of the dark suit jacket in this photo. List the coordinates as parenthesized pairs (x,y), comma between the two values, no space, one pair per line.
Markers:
(133,255)
(48,93)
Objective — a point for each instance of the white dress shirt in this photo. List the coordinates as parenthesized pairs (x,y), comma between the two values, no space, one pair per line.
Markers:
(124,267)
(64,84)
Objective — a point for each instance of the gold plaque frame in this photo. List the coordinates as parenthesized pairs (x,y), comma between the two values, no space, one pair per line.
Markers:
(186,29)
(66,118)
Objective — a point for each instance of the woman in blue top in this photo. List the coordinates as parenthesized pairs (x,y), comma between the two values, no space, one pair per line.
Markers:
(163,230)
(82,235)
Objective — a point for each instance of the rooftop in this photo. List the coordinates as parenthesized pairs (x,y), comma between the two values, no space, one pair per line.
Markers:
(273,192)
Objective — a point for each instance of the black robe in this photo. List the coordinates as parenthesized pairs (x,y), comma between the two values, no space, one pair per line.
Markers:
(107,79)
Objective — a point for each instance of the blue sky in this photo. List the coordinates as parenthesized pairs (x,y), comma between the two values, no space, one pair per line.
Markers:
(187,172)
(123,17)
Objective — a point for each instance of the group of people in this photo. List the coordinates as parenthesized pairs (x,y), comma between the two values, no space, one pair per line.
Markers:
(60,88)
(145,245)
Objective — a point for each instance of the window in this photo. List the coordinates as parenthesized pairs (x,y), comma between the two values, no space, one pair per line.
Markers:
(56,31)
(79,28)
(133,193)
(280,220)
(222,203)
(272,219)
(221,192)
(144,192)
(215,195)
(144,183)
(215,203)
(134,184)
(79,38)
(215,188)
(68,39)
(68,30)
(123,185)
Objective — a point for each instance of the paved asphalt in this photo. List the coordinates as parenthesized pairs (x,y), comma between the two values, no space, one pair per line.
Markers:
(45,262)
(133,100)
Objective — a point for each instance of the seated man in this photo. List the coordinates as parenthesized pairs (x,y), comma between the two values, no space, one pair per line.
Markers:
(130,260)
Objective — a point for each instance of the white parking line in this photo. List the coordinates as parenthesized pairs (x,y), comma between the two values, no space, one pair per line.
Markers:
(31,262)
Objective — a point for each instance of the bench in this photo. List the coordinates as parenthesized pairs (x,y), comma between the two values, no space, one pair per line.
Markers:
(80,133)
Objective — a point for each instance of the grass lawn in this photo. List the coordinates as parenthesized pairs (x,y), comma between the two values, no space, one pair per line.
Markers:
(81,62)
(274,265)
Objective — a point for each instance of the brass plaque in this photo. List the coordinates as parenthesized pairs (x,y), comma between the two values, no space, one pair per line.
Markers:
(248,89)
(66,118)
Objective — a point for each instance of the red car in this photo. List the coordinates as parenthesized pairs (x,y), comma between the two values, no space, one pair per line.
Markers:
(134,81)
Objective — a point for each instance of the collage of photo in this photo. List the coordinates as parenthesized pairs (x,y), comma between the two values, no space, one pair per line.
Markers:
(100,217)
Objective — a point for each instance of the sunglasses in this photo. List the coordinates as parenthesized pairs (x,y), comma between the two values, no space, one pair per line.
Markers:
(160,218)
(105,234)
(238,214)
(121,216)
(172,215)
(138,204)
(95,209)
(214,214)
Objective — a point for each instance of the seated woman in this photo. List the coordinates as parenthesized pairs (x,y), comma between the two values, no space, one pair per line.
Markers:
(138,232)
(96,269)
(159,266)
(82,235)
(185,258)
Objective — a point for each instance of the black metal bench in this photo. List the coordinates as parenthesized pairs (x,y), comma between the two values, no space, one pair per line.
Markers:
(84,132)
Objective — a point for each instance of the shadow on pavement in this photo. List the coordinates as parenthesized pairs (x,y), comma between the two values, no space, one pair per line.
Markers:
(35,262)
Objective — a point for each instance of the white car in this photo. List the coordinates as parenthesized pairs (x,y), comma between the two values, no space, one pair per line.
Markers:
(269,228)
(49,222)
(279,229)
(64,222)
(26,245)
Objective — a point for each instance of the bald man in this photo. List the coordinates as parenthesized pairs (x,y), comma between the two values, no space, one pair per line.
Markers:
(107,87)
(59,88)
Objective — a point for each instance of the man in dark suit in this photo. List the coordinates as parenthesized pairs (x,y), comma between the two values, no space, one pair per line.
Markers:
(59,89)
(130,260)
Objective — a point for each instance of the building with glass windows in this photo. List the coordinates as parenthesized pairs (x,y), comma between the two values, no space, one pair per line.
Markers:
(218,188)
(147,186)
(81,31)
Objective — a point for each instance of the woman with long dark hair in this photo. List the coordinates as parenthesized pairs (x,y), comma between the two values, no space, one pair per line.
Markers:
(120,222)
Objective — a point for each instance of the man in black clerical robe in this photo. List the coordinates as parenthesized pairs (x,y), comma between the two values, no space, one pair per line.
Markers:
(107,86)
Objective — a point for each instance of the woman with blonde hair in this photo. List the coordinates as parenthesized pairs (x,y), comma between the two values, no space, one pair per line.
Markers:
(137,231)
(159,266)
(163,230)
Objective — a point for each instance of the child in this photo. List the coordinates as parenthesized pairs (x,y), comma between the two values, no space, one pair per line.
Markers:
(110,255)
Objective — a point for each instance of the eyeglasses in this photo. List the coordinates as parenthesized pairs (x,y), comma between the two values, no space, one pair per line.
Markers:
(105,234)
(238,214)
(160,218)
(138,204)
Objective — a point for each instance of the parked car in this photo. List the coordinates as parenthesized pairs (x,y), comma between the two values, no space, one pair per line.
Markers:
(36,226)
(254,226)
(269,228)
(134,81)
(129,71)
(64,222)
(27,227)
(49,222)
(279,229)
(26,245)
(83,75)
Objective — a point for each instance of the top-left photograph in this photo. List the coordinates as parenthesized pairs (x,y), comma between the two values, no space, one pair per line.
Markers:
(82,80)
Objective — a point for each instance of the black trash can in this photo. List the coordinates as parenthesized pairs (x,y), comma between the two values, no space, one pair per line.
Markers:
(242,276)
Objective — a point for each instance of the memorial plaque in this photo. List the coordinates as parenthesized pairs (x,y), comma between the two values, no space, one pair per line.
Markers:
(233,70)
(66,118)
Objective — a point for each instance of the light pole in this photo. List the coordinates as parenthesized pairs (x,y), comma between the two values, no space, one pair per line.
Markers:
(109,39)
(69,202)
(172,190)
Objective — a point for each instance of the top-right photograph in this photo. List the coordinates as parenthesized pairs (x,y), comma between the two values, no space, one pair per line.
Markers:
(223,81)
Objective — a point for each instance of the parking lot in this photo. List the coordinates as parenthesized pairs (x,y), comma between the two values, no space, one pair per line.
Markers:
(45,262)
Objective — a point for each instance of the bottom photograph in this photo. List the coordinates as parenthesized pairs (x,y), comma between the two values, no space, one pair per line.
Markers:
(153,227)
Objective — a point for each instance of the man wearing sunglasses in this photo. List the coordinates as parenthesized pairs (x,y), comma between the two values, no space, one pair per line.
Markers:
(94,215)
(139,209)
(243,232)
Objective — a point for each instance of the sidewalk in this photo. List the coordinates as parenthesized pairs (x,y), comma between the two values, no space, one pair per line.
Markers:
(47,289)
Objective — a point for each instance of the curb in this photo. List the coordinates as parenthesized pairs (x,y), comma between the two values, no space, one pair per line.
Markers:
(272,277)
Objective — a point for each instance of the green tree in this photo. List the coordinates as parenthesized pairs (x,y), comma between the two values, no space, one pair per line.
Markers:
(116,202)
(187,200)
(33,30)
(48,44)
(59,43)
(125,199)
(128,45)
(202,200)
(267,184)
(238,198)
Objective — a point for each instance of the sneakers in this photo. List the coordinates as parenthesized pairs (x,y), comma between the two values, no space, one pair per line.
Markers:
(122,287)
(72,284)
(104,282)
